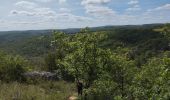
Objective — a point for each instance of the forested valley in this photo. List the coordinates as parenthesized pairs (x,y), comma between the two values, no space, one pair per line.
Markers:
(129,62)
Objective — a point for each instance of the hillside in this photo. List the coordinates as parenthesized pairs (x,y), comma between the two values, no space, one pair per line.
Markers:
(140,40)
(120,62)
(37,42)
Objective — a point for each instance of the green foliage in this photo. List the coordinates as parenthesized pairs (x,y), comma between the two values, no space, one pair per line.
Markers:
(139,38)
(60,44)
(117,74)
(115,79)
(12,68)
(123,63)
(25,43)
(153,81)
(81,56)
(165,30)
(86,58)
(50,62)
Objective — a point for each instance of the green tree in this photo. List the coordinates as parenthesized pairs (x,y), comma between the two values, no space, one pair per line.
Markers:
(12,68)
(60,44)
(154,80)
(115,79)
(85,59)
(98,68)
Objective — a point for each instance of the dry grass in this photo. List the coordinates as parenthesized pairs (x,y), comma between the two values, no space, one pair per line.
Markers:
(44,91)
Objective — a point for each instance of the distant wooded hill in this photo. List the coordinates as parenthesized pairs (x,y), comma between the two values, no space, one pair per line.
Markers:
(140,38)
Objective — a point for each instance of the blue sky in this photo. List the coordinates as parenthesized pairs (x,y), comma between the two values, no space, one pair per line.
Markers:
(60,14)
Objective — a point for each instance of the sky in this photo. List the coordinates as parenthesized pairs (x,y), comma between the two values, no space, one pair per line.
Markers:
(62,14)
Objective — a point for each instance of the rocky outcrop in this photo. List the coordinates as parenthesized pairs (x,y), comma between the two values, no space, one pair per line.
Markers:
(41,75)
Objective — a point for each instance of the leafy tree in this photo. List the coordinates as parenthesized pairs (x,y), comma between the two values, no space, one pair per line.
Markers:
(95,66)
(12,68)
(85,59)
(109,74)
(154,79)
(115,79)
(60,45)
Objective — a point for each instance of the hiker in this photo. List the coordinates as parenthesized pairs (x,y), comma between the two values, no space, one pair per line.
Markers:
(80,88)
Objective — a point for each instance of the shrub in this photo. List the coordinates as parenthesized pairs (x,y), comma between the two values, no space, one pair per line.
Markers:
(12,68)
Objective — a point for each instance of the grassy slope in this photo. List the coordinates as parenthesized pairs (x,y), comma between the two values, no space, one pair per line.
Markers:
(44,91)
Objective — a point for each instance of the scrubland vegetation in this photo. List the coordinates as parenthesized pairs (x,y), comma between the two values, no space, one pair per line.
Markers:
(124,63)
(45,90)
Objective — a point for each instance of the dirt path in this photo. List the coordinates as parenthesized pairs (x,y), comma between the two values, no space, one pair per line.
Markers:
(73,97)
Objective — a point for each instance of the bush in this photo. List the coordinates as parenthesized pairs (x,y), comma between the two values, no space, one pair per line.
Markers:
(12,68)
(153,80)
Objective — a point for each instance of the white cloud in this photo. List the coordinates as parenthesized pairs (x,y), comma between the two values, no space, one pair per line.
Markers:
(42,14)
(39,12)
(16,12)
(24,22)
(133,2)
(26,4)
(1,21)
(59,1)
(164,7)
(87,2)
(68,17)
(31,9)
(62,1)
(99,10)
(134,8)
(64,10)
(46,14)
(44,0)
